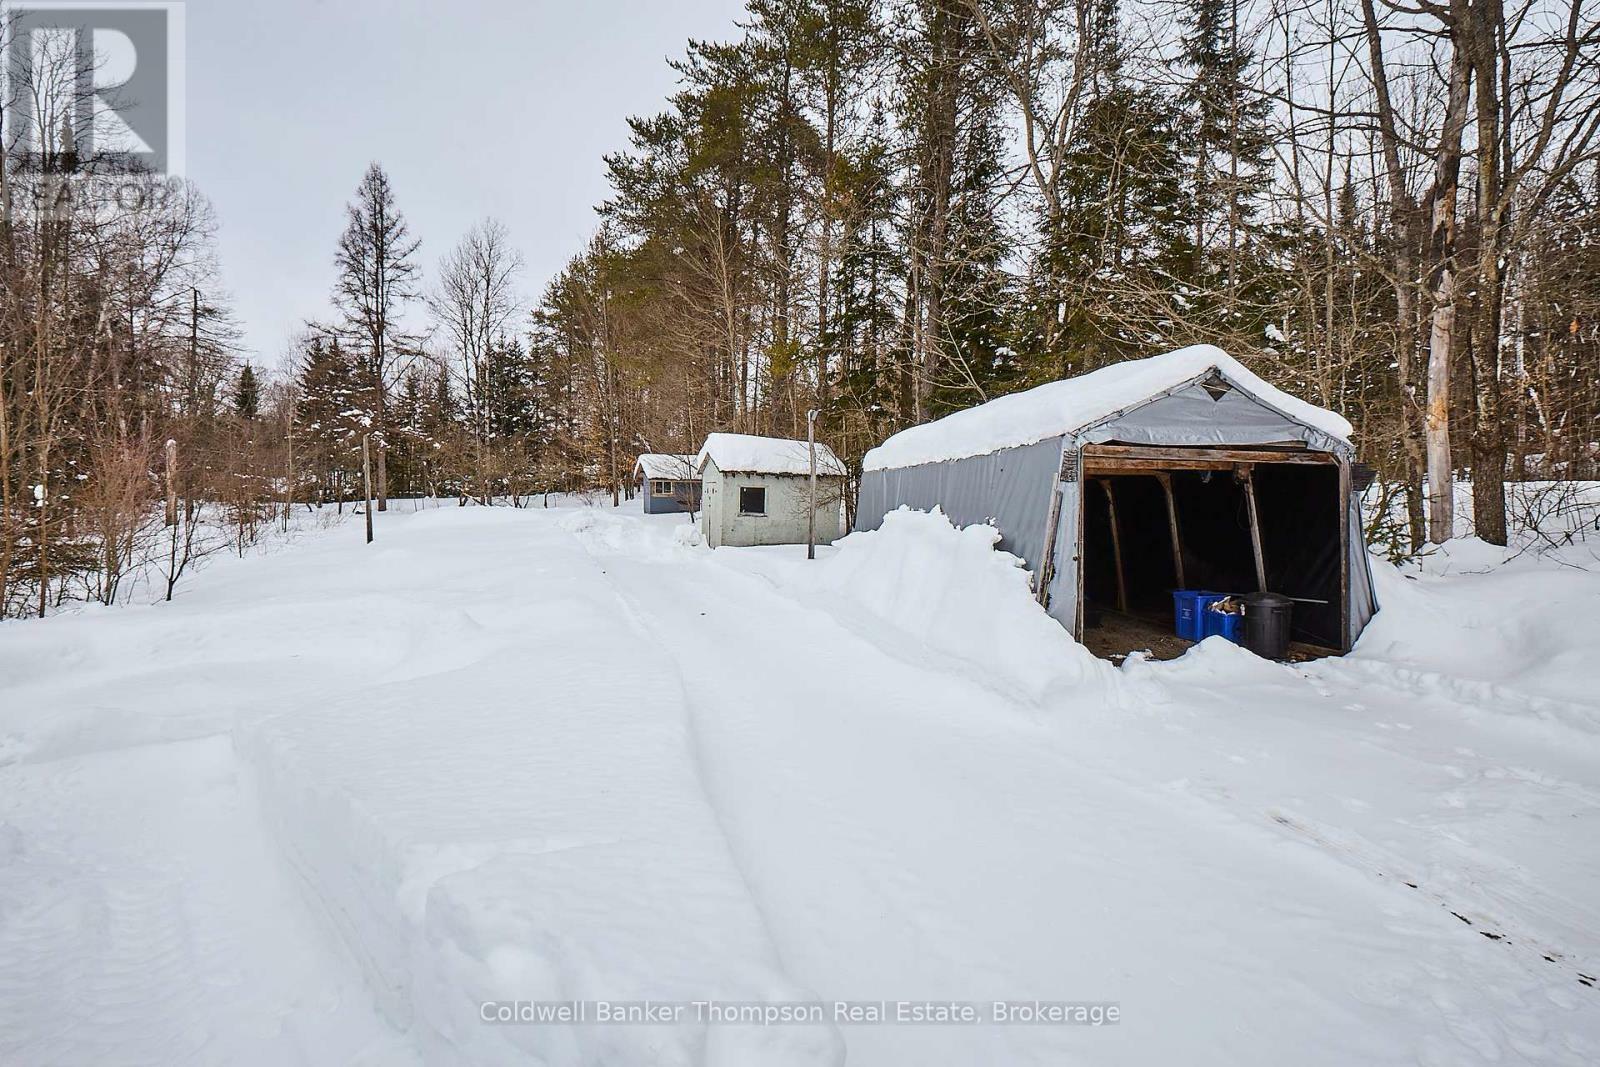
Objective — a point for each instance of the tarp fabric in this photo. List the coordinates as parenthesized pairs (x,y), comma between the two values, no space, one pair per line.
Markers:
(1010,488)
(1192,416)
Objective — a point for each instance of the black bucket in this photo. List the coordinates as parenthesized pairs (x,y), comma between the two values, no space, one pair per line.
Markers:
(1266,624)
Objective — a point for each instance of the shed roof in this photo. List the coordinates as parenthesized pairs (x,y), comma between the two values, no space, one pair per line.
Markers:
(747,454)
(666,465)
(1072,404)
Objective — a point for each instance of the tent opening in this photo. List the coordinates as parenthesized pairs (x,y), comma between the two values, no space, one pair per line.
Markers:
(1154,526)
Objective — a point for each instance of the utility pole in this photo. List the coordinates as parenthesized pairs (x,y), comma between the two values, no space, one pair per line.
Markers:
(811,512)
(366,480)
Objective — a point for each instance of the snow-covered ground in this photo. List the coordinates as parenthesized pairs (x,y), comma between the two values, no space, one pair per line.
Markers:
(331,801)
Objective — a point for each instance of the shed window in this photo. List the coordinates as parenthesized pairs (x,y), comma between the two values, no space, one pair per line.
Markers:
(661,488)
(752,500)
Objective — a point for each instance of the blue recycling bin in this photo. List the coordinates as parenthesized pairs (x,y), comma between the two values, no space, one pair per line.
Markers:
(1189,611)
(1222,624)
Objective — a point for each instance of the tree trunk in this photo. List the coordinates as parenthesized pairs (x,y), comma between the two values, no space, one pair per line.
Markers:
(1483,31)
(1403,223)
(1442,291)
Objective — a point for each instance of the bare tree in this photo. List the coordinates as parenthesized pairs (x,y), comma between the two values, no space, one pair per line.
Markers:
(475,301)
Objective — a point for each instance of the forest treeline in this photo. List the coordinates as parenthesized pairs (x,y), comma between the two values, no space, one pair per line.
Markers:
(885,210)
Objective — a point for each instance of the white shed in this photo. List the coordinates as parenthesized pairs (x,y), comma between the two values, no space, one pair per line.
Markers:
(756,491)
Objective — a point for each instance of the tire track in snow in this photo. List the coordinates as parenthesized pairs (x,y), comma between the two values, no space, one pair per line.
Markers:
(144,920)
(653,636)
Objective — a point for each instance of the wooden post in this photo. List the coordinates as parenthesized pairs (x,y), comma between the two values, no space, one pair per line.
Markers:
(172,482)
(1344,554)
(1047,566)
(1255,526)
(1172,525)
(172,516)
(288,475)
(1116,545)
(366,481)
(811,513)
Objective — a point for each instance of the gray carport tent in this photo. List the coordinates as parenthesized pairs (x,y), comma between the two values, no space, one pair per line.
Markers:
(1025,462)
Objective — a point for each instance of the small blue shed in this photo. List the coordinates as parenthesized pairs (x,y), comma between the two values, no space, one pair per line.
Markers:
(667,483)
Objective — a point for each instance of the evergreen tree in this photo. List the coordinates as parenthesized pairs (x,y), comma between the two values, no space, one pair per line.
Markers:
(247,394)
(332,412)
(865,331)
(1111,275)
(1228,136)
(377,269)
(508,391)
(979,303)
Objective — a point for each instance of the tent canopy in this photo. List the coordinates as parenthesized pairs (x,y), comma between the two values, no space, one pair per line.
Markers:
(1073,405)
(1025,463)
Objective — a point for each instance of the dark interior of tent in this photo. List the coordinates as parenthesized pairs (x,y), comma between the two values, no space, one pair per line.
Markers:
(1129,578)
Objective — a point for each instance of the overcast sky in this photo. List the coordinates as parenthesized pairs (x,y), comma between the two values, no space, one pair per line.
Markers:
(489,107)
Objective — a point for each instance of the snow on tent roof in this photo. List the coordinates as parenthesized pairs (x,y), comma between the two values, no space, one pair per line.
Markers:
(1070,405)
(765,455)
(666,465)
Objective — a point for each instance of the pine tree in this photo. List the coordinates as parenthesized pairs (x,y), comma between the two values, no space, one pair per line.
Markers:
(865,330)
(979,303)
(1110,278)
(377,269)
(331,414)
(247,394)
(1229,140)
(508,395)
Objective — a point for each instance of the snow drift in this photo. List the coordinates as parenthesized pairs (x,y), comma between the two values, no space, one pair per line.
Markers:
(1517,637)
(951,591)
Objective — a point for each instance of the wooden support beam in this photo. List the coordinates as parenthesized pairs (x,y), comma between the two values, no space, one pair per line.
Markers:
(1255,528)
(1344,555)
(1172,524)
(1116,545)
(1047,568)
(1179,456)
(1105,466)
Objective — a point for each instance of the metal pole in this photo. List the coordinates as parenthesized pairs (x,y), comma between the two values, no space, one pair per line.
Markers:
(811,516)
(366,481)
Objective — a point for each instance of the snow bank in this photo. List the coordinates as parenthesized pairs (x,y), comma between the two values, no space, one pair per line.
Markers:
(766,455)
(953,591)
(617,532)
(1516,638)
(1067,406)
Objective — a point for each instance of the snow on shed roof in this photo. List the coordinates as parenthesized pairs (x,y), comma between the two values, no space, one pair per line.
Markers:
(1072,404)
(765,455)
(666,465)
